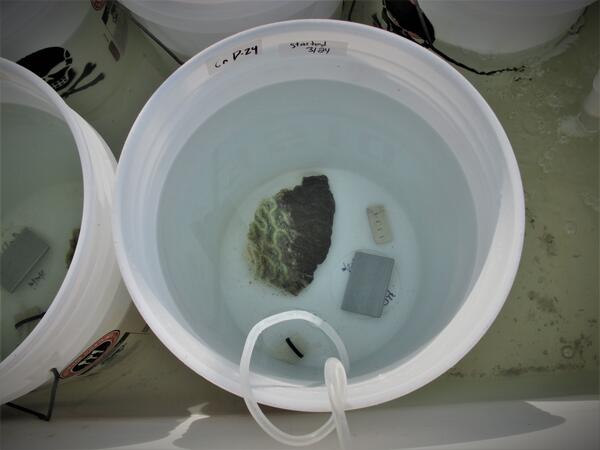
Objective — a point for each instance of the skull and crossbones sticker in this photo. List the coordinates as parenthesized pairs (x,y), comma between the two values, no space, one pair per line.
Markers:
(55,66)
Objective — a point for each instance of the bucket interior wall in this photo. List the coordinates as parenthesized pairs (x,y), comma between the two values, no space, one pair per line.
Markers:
(363,133)
(42,190)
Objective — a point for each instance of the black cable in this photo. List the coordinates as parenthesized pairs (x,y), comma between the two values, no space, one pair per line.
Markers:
(428,42)
(376,21)
(351,10)
(423,24)
(29,319)
(46,417)
(471,69)
(294,348)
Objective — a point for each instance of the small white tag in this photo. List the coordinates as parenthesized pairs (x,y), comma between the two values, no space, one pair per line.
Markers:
(313,47)
(380,226)
(249,50)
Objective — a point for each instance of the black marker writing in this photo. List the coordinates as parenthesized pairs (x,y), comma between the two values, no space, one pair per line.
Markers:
(236,54)
(35,281)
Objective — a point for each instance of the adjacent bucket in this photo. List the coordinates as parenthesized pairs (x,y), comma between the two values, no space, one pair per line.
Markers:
(64,305)
(502,26)
(388,124)
(187,27)
(76,47)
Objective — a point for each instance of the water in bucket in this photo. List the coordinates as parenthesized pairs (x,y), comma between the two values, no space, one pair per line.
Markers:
(42,201)
(374,151)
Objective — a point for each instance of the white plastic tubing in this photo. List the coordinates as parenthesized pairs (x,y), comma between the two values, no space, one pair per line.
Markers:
(335,380)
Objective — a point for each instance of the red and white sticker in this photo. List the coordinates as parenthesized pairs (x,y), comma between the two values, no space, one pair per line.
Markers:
(92,355)
(98,4)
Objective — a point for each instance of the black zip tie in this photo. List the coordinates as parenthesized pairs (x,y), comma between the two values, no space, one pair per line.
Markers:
(46,417)
(294,348)
(29,319)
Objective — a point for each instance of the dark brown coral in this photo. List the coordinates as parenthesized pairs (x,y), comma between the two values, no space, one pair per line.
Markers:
(291,234)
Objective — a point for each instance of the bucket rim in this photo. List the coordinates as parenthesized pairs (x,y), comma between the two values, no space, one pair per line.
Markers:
(46,347)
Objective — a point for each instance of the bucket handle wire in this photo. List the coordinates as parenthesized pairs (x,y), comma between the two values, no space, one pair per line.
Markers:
(335,380)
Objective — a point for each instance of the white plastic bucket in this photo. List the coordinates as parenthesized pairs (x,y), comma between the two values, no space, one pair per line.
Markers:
(61,178)
(187,27)
(501,26)
(387,122)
